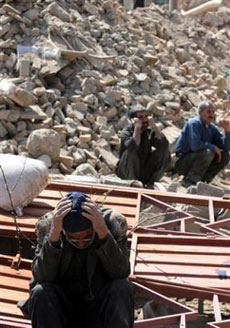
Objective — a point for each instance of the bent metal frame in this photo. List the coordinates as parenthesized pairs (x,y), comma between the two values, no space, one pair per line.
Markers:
(163,260)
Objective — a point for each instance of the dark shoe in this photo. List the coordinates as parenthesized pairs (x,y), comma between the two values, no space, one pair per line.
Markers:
(207,179)
(149,185)
(187,183)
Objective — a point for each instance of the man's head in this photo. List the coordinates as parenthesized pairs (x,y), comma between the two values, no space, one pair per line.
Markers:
(141,113)
(78,229)
(206,111)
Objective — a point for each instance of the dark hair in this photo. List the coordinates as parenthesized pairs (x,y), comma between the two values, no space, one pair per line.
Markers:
(133,111)
(204,104)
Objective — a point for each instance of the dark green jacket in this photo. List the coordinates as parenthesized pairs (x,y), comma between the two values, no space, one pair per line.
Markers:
(105,260)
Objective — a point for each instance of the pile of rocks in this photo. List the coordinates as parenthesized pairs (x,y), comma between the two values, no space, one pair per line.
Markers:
(189,4)
(70,71)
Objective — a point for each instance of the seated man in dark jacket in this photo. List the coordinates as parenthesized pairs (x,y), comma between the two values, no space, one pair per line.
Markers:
(202,150)
(80,268)
(144,151)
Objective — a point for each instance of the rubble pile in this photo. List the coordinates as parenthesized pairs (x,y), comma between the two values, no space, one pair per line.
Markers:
(189,4)
(70,71)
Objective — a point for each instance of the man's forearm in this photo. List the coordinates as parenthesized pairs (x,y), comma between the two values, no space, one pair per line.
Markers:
(137,135)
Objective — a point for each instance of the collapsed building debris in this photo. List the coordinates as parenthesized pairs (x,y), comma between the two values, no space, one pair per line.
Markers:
(78,67)
(69,72)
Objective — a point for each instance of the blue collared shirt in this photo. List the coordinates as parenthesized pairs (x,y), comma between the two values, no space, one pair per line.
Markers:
(196,136)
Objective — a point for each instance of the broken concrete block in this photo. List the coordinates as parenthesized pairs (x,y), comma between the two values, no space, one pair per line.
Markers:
(58,11)
(86,169)
(44,141)
(20,96)
(108,157)
(3,131)
(83,130)
(85,138)
(66,160)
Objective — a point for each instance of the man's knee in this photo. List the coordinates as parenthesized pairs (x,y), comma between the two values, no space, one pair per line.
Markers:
(209,155)
(121,288)
(162,144)
(206,155)
(225,158)
(128,166)
(39,293)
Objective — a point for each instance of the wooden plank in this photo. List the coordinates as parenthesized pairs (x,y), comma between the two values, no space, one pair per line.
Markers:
(10,231)
(182,240)
(138,209)
(189,259)
(133,254)
(100,199)
(165,206)
(183,249)
(14,283)
(6,260)
(182,270)
(9,322)
(211,211)
(198,282)
(12,296)
(10,309)
(170,197)
(220,224)
(22,222)
(173,289)
(216,306)
(220,324)
(9,272)
(12,319)
(163,231)
(174,223)
(36,212)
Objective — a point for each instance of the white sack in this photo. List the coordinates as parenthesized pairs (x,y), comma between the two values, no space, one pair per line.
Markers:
(26,178)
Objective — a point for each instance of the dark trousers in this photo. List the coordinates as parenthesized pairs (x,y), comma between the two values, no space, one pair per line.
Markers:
(50,306)
(201,165)
(132,167)
(139,3)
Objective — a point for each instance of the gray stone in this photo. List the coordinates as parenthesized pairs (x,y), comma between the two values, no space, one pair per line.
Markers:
(108,157)
(10,127)
(209,190)
(79,156)
(71,127)
(4,114)
(82,178)
(58,11)
(44,141)
(80,106)
(32,14)
(3,131)
(86,169)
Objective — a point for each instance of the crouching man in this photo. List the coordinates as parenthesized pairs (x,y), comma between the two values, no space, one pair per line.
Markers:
(144,152)
(202,149)
(80,268)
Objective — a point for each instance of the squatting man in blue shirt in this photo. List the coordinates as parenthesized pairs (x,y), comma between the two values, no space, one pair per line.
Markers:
(80,268)
(202,150)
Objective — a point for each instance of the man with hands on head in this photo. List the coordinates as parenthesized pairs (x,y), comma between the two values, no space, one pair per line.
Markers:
(202,150)
(80,268)
(144,151)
